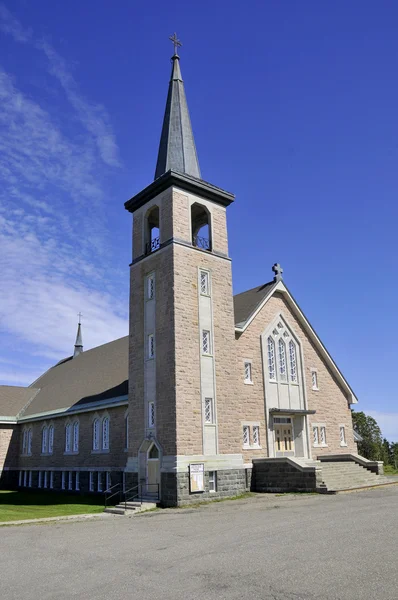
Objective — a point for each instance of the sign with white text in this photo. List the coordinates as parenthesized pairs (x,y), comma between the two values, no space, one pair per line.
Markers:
(196,477)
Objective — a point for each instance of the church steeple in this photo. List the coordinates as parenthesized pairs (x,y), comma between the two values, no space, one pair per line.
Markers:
(177,151)
(79,340)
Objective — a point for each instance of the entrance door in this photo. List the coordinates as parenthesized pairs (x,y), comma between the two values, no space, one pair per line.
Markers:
(153,472)
(284,438)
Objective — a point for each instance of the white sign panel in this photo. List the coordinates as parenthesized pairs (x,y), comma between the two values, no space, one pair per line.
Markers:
(197,477)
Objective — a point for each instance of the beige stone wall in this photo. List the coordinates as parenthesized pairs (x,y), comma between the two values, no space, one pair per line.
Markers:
(115,457)
(329,402)
(9,446)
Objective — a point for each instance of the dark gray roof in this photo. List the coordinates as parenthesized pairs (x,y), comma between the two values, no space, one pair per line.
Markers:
(14,398)
(177,151)
(246,303)
(97,374)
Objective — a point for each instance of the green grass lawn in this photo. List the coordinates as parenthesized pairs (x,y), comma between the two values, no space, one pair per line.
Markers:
(389,470)
(15,506)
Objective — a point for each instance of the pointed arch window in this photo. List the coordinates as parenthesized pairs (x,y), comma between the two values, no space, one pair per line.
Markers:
(105,433)
(271,359)
(96,425)
(76,436)
(44,440)
(282,360)
(293,361)
(68,435)
(51,439)
(29,443)
(25,441)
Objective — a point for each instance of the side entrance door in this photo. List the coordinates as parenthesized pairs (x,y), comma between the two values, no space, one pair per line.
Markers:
(153,472)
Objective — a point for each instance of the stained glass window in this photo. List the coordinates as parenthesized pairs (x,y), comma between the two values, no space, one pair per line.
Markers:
(271,358)
(293,361)
(282,360)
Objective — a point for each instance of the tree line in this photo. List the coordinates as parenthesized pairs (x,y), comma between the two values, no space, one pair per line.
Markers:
(373,446)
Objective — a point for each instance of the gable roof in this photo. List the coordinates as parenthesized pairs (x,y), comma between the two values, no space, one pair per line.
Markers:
(14,398)
(263,296)
(93,376)
(246,303)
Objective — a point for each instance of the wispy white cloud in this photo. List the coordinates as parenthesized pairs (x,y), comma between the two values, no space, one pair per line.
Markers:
(9,24)
(388,423)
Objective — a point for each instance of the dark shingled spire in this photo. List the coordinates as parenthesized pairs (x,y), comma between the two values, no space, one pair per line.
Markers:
(177,150)
(79,340)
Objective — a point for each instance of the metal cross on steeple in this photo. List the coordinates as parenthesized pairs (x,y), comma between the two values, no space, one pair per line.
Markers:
(176,42)
(80,317)
(277,269)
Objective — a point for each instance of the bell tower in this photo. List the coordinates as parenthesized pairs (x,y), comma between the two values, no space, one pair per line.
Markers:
(182,392)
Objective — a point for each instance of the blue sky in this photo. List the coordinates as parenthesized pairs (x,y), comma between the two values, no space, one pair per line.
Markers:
(293,106)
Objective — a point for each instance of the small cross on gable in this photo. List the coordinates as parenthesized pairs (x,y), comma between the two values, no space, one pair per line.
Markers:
(277,269)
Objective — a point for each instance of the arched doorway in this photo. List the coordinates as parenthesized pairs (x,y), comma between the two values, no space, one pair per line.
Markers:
(153,471)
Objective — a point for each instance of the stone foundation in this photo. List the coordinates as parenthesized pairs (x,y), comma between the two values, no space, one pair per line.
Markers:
(282,475)
(175,490)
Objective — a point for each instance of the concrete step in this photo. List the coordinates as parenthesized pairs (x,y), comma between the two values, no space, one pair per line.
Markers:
(349,475)
(113,510)
(130,508)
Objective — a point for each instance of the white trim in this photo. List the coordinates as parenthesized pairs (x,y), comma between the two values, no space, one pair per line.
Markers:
(84,408)
(280,287)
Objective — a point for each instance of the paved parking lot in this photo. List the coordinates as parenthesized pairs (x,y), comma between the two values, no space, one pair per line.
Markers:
(268,547)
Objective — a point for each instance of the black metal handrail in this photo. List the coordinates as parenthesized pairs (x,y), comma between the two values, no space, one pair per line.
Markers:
(152,245)
(132,497)
(201,242)
(108,495)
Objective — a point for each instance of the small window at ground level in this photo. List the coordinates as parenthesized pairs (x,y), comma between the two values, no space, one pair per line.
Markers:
(30,479)
(108,480)
(99,486)
(51,480)
(70,480)
(91,481)
(212,481)
(45,479)
(63,480)
(25,478)
(77,481)
(39,479)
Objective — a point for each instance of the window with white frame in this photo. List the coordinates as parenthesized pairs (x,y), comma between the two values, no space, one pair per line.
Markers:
(45,479)
(29,448)
(212,481)
(105,433)
(63,480)
(70,480)
(315,435)
(323,435)
(246,436)
(256,435)
(25,441)
(75,445)
(68,436)
(99,481)
(30,479)
(150,290)
(206,347)
(51,480)
(96,434)
(151,345)
(151,414)
(44,440)
(91,481)
(342,436)
(204,283)
(282,360)
(39,479)
(108,480)
(25,478)
(293,361)
(271,359)
(314,379)
(51,439)
(126,431)
(77,481)
(20,478)
(248,372)
(209,411)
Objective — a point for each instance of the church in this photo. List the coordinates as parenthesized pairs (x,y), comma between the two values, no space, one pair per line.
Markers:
(210,394)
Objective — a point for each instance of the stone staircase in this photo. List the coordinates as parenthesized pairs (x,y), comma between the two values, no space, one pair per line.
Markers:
(349,475)
(130,508)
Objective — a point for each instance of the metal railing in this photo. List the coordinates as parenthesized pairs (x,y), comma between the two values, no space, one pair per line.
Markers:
(111,492)
(134,494)
(152,245)
(201,242)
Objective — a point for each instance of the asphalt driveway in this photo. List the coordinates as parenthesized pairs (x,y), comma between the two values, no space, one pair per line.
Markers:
(266,547)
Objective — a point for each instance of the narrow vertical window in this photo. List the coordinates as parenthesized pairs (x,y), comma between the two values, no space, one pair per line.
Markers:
(126,431)
(209,410)
(51,439)
(91,481)
(76,436)
(108,480)
(150,290)
(25,442)
(44,440)
(70,480)
(323,435)
(105,433)
(151,414)
(63,480)
(282,360)
(206,348)
(342,436)
(256,435)
(67,437)
(29,448)
(293,361)
(39,480)
(212,481)
(45,479)
(248,372)
(51,480)
(315,433)
(30,479)
(314,378)
(20,479)
(96,434)
(99,482)
(25,478)
(77,481)
(246,435)
(271,359)
(151,346)
(204,283)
